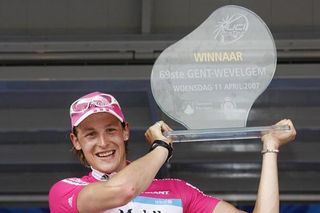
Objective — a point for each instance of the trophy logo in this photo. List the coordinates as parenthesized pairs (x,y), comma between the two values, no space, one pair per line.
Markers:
(231,28)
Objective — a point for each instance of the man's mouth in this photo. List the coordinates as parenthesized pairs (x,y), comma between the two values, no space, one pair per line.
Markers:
(105,154)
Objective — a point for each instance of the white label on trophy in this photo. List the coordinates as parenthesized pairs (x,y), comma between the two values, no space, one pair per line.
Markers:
(211,77)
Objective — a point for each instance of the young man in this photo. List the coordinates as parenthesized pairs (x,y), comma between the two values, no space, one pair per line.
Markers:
(99,137)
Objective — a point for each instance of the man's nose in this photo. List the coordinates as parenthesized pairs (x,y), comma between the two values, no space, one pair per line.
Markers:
(103,140)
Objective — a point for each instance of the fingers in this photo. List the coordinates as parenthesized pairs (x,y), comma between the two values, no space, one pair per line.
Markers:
(158,123)
(155,132)
(291,131)
(284,122)
(163,126)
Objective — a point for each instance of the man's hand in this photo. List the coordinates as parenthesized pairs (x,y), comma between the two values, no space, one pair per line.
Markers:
(275,139)
(155,132)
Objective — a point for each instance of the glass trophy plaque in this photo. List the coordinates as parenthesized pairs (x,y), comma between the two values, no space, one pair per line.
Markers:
(208,80)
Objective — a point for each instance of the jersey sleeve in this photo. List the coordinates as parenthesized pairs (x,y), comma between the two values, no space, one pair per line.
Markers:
(63,195)
(195,201)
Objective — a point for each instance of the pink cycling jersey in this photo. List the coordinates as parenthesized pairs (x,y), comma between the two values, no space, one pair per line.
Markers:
(163,195)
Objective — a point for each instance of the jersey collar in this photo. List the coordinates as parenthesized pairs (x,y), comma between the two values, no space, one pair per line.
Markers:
(102,176)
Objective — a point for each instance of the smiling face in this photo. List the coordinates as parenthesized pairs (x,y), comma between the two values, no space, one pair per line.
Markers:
(101,137)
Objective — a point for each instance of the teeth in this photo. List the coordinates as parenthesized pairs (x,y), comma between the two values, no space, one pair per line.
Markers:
(105,154)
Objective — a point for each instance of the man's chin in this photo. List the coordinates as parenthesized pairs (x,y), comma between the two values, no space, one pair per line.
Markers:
(107,169)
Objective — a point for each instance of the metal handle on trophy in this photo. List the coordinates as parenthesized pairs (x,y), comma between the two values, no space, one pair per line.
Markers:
(209,80)
(201,135)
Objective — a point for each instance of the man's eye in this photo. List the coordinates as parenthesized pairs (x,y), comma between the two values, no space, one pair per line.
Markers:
(111,130)
(90,134)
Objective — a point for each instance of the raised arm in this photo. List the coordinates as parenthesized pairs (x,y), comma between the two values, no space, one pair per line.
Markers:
(130,181)
(268,193)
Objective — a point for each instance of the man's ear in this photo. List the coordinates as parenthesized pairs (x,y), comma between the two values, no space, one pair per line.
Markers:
(126,132)
(75,141)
